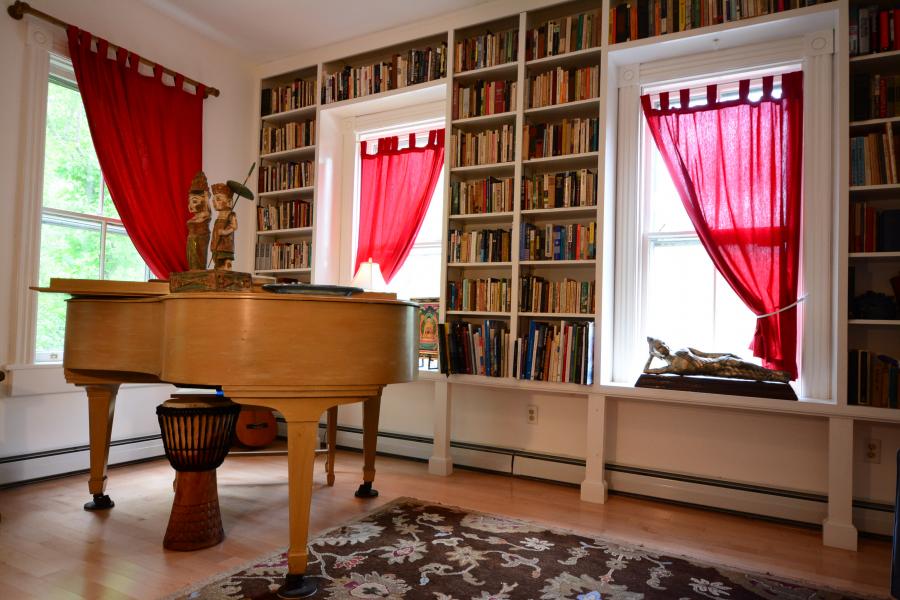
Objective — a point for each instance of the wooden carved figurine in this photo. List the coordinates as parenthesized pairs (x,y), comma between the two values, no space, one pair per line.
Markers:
(694,362)
(198,224)
(224,227)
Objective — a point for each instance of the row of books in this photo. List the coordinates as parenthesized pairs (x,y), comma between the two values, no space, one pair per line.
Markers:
(283,255)
(571,136)
(294,95)
(483,295)
(284,215)
(873,29)
(474,349)
(486,147)
(575,241)
(285,176)
(482,245)
(486,50)
(873,230)
(287,137)
(415,66)
(480,196)
(563,34)
(482,98)
(561,352)
(638,19)
(560,85)
(559,190)
(537,294)
(872,379)
(873,159)
(874,96)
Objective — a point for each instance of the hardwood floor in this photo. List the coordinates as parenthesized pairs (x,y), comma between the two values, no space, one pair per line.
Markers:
(51,548)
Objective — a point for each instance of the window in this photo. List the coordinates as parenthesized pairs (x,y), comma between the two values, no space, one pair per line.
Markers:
(420,275)
(81,233)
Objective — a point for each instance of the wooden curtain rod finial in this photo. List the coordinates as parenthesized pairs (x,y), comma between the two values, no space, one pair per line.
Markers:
(18,9)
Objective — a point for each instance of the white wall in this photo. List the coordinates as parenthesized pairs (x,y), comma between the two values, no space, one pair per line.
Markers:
(58,420)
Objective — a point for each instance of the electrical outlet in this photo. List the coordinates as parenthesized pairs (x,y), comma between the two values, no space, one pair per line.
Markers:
(532,414)
(873,452)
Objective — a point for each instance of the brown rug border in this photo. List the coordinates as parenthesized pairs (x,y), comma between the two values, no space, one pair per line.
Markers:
(559,530)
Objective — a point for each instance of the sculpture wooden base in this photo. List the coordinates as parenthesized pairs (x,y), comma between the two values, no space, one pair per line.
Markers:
(210,280)
(718,385)
(195,521)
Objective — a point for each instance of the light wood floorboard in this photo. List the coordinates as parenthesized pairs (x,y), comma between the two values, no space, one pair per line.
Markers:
(51,548)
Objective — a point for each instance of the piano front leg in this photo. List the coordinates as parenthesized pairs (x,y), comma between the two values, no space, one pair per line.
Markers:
(371,412)
(101,410)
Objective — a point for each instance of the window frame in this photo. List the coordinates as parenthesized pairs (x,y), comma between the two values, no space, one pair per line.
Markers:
(626,352)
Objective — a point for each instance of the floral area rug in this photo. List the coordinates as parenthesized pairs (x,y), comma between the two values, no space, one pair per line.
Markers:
(409,549)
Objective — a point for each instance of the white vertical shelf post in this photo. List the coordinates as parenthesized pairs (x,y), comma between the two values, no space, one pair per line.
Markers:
(441,463)
(594,487)
(837,529)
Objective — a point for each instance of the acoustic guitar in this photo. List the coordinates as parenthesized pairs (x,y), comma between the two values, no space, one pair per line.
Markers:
(256,427)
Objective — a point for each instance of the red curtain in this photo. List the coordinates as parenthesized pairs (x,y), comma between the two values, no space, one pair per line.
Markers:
(149,138)
(737,165)
(395,189)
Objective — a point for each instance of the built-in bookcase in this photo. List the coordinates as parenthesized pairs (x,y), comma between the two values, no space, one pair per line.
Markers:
(873,236)
(286,185)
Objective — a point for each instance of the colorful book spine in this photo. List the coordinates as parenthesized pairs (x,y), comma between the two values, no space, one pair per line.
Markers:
(483,147)
(479,295)
(481,196)
(559,190)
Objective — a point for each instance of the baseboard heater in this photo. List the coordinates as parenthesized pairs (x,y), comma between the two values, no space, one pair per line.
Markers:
(728,496)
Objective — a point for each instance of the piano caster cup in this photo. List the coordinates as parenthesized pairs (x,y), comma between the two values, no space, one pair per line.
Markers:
(100,502)
(365,490)
(298,586)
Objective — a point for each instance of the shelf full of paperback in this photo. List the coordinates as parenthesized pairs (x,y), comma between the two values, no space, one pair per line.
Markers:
(283,255)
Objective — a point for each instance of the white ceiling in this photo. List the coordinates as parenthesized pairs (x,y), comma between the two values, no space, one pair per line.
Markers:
(265,30)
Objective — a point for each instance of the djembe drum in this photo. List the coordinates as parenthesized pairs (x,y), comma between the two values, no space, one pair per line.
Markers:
(197,431)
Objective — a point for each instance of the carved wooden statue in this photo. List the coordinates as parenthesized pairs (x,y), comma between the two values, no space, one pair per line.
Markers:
(224,227)
(694,362)
(198,224)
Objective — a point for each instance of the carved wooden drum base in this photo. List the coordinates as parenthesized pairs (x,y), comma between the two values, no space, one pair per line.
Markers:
(197,432)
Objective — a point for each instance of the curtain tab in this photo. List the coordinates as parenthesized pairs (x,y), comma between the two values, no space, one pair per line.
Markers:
(134,62)
(685,98)
(768,83)
(362,148)
(712,95)
(744,89)
(412,140)
(179,81)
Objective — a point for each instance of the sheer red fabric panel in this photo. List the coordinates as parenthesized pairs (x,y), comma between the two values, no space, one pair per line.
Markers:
(737,165)
(395,189)
(149,140)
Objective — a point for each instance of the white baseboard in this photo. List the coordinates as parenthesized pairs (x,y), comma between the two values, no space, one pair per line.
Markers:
(52,464)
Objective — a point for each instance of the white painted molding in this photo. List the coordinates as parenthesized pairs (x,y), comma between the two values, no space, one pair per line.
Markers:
(441,463)
(819,43)
(594,488)
(838,529)
(629,75)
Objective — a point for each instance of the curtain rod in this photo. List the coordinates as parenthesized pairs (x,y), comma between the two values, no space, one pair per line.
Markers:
(19,9)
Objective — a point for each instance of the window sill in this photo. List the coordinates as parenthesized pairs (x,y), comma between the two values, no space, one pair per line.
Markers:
(44,379)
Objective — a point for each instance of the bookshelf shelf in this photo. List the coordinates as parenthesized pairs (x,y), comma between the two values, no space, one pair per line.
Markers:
(500,71)
(875,322)
(306,152)
(486,120)
(298,114)
(476,313)
(286,193)
(567,59)
(551,316)
(588,107)
(294,231)
(497,217)
(565,211)
(564,161)
(479,265)
(558,263)
(387,94)
(872,123)
(485,170)
(876,62)
(874,255)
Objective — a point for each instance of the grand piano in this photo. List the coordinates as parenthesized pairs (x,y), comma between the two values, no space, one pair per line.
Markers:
(297,354)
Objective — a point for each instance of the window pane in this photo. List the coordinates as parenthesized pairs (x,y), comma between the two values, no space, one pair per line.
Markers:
(666,210)
(122,260)
(72,179)
(109,209)
(68,249)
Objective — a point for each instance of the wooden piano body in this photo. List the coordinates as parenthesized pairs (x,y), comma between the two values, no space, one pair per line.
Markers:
(297,354)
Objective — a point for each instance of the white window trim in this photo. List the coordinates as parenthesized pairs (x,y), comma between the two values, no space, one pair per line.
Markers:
(430,115)
(814,51)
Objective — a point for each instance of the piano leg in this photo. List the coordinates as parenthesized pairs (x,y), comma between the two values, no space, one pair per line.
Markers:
(101,409)
(371,412)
